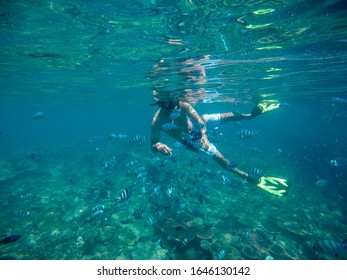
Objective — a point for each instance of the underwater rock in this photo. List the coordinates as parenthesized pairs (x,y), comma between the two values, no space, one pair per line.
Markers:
(250,253)
(277,251)
(174,230)
(180,226)
(295,228)
(5,170)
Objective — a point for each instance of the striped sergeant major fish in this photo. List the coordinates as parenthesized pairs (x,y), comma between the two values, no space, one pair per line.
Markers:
(139,211)
(150,221)
(20,213)
(257,150)
(187,240)
(153,161)
(256,173)
(137,139)
(98,208)
(246,133)
(330,247)
(145,238)
(220,255)
(94,216)
(123,196)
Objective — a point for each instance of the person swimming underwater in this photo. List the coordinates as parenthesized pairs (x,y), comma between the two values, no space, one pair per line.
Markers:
(189,128)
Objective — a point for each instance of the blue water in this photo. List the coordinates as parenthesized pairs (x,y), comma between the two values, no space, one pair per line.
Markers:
(91,68)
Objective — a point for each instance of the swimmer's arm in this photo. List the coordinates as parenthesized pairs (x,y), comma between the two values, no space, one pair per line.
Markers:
(196,117)
(156,145)
(191,112)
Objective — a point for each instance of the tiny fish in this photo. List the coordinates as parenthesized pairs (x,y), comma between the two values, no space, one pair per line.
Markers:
(321,183)
(94,216)
(178,145)
(26,196)
(168,255)
(133,162)
(337,101)
(169,191)
(330,247)
(140,170)
(225,179)
(232,165)
(144,238)
(20,213)
(246,133)
(238,124)
(139,211)
(137,139)
(117,136)
(123,196)
(98,208)
(339,162)
(256,173)
(150,221)
(33,156)
(9,239)
(257,150)
(153,161)
(142,175)
(38,116)
(186,240)
(220,255)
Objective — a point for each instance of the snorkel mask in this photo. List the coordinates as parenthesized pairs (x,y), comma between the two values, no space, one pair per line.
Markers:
(169,105)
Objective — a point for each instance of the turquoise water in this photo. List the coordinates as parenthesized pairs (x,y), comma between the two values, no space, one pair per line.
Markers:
(91,68)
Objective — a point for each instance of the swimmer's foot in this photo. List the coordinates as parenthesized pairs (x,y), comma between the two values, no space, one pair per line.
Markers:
(264,107)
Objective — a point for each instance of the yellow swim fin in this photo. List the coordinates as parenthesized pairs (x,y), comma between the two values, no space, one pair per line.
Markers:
(274,185)
(264,107)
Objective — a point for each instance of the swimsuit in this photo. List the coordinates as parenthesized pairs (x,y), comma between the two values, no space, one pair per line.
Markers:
(192,140)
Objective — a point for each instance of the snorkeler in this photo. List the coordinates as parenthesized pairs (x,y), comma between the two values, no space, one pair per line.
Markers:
(181,121)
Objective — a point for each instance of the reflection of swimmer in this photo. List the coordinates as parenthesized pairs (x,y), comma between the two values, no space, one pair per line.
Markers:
(191,130)
(339,162)
(184,75)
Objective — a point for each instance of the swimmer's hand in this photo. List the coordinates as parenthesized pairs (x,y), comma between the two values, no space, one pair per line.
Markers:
(162,148)
(205,143)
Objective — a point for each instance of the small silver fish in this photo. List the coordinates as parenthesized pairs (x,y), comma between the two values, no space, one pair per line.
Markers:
(246,133)
(38,116)
(117,136)
(94,216)
(257,150)
(137,139)
(339,162)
